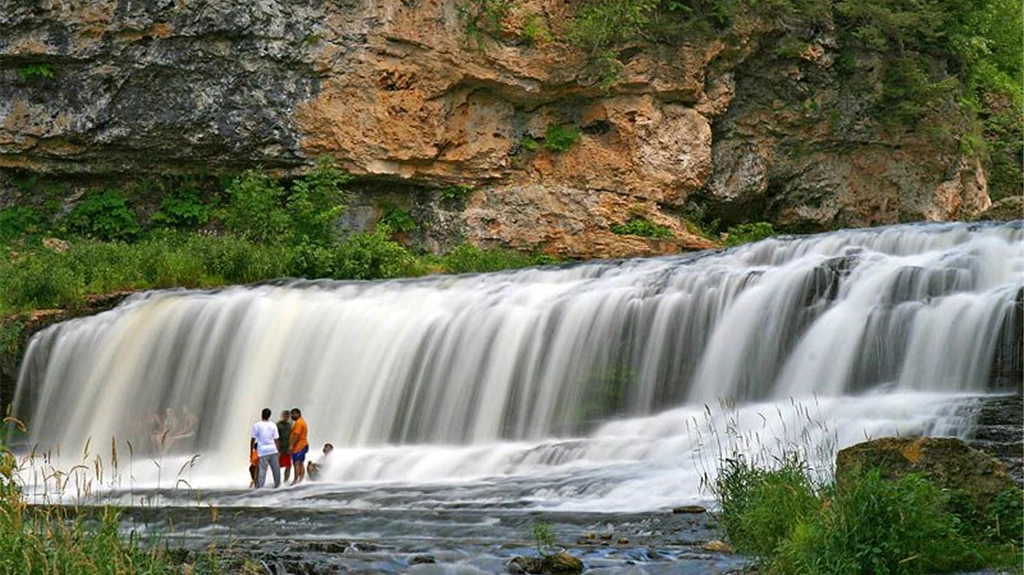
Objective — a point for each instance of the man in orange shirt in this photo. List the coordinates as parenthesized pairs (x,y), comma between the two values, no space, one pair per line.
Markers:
(299,445)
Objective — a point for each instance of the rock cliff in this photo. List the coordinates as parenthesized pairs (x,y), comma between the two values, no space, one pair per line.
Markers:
(404,98)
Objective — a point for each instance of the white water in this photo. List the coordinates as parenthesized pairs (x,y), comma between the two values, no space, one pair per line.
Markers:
(595,386)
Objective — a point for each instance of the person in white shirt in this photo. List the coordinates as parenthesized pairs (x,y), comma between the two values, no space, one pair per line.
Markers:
(315,468)
(264,439)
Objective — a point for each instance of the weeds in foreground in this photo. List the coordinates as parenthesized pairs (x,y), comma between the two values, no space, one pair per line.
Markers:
(792,519)
(55,538)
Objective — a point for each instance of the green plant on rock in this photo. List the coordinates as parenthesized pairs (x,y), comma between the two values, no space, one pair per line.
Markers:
(559,138)
(543,538)
(530,144)
(104,216)
(468,258)
(641,226)
(396,219)
(751,232)
(484,18)
(534,31)
(456,192)
(33,71)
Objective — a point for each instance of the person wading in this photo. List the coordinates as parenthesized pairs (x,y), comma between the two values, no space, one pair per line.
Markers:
(284,431)
(264,439)
(299,445)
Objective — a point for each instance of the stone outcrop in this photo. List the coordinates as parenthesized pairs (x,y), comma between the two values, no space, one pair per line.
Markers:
(1009,208)
(399,94)
(561,563)
(948,462)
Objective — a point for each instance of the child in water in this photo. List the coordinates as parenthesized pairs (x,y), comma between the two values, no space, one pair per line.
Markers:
(315,468)
(254,460)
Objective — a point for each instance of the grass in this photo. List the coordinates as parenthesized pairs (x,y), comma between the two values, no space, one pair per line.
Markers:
(791,524)
(37,278)
(38,539)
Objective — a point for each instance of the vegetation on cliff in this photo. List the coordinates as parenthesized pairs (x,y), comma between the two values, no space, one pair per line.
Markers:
(911,60)
(257,228)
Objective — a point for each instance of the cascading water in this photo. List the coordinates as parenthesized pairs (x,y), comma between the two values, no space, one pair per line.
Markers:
(589,386)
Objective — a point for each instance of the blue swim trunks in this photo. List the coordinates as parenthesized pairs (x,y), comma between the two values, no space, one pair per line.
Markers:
(300,456)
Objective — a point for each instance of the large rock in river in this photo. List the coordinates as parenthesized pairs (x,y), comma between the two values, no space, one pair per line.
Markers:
(948,462)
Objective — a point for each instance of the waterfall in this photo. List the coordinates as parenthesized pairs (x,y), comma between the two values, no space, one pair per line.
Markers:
(546,368)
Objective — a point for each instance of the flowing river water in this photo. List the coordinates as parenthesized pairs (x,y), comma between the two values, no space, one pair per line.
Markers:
(596,395)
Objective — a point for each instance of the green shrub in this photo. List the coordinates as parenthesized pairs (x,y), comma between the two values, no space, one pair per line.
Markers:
(182,209)
(640,226)
(314,203)
(368,256)
(37,280)
(559,138)
(534,31)
(20,221)
(255,210)
(1005,518)
(746,233)
(865,525)
(104,216)
(762,507)
(313,261)
(263,211)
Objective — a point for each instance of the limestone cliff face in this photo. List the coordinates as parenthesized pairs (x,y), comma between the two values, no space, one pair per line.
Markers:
(399,94)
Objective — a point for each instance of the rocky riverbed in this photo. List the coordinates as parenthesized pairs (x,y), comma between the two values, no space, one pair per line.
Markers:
(470,541)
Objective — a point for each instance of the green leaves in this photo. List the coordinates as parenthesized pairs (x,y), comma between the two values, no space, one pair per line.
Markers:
(104,216)
(640,226)
(263,211)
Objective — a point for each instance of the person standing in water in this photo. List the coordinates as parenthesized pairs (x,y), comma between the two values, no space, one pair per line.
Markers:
(299,445)
(284,431)
(264,439)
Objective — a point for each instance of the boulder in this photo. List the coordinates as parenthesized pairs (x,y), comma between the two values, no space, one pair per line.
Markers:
(717,546)
(689,509)
(422,558)
(1009,208)
(561,563)
(948,462)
